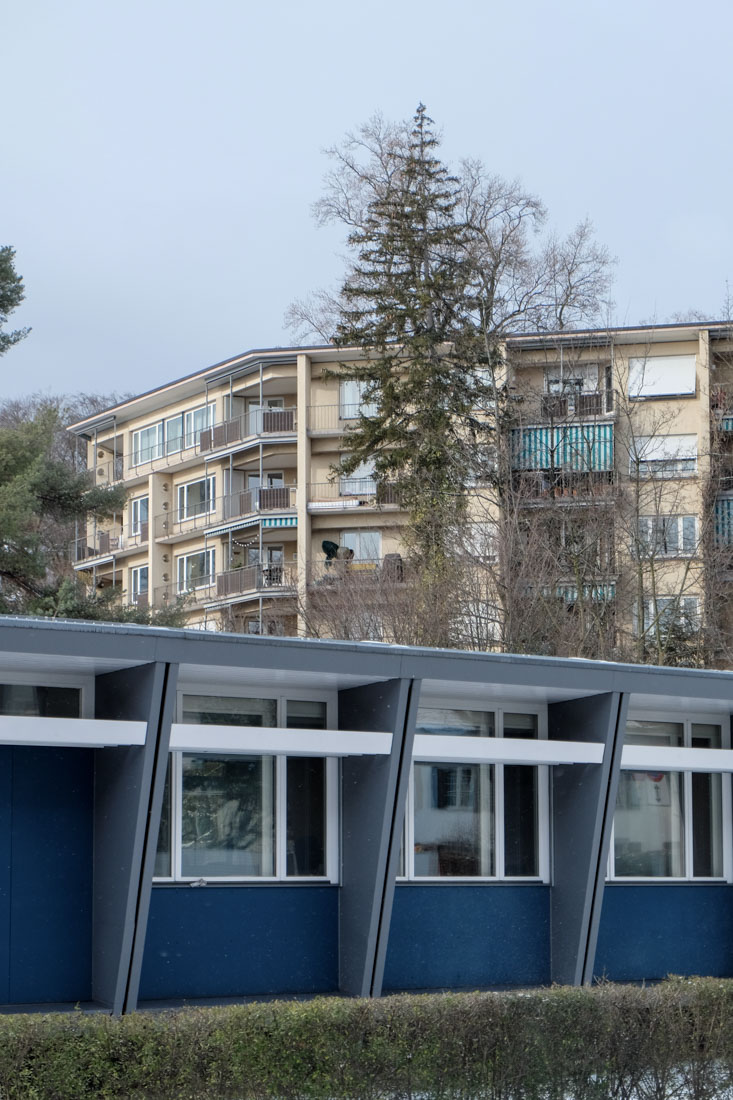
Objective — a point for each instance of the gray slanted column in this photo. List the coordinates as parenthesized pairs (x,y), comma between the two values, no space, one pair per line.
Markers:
(583,801)
(122,798)
(374,791)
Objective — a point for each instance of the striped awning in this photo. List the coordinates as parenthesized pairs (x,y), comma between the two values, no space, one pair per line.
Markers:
(597,593)
(579,447)
(724,521)
(726,424)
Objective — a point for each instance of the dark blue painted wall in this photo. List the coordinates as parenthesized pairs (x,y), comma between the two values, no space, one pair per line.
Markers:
(468,936)
(227,941)
(649,931)
(46,897)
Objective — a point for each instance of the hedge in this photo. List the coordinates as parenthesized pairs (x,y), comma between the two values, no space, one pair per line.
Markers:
(672,1040)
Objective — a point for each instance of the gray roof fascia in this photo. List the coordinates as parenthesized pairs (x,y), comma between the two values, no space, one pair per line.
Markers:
(139,644)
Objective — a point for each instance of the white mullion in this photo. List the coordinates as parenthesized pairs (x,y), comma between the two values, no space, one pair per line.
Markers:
(333,817)
(498,777)
(408,832)
(543,822)
(176,814)
(611,871)
(687,804)
(280,816)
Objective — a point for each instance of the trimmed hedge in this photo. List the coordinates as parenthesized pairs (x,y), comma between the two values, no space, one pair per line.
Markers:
(672,1040)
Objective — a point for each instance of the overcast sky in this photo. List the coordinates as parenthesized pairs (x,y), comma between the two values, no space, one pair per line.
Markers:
(160,157)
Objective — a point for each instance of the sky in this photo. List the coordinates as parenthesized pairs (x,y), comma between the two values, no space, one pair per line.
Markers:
(160,158)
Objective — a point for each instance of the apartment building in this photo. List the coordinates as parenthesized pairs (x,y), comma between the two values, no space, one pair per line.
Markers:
(231,496)
(233,506)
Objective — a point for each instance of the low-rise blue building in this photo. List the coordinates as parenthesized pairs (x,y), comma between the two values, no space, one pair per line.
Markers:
(188,815)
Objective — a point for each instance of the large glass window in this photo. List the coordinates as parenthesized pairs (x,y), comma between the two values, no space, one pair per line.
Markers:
(242,816)
(669,824)
(139,517)
(667,536)
(474,820)
(197,498)
(147,444)
(33,701)
(195,570)
(171,435)
(352,404)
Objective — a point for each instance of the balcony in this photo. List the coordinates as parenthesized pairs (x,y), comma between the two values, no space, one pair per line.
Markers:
(347,493)
(577,448)
(221,510)
(336,419)
(272,579)
(116,540)
(251,425)
(554,407)
(357,574)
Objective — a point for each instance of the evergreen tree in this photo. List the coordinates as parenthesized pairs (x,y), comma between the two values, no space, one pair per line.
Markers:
(407,302)
(12,293)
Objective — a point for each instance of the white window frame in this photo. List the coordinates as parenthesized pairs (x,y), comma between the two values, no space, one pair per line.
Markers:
(361,481)
(654,535)
(139,455)
(181,569)
(351,400)
(358,534)
(664,456)
(136,574)
(652,611)
(136,521)
(280,791)
(209,498)
(543,799)
(85,684)
(688,720)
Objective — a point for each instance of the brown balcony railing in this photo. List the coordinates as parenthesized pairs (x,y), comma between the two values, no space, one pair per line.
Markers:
(351,492)
(566,406)
(209,513)
(113,541)
(254,423)
(256,578)
(390,569)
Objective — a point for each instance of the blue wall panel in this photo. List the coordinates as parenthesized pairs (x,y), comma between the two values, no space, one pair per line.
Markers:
(228,941)
(649,931)
(6,816)
(465,937)
(51,900)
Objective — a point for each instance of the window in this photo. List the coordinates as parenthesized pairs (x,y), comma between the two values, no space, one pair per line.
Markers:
(139,517)
(665,613)
(32,700)
(244,817)
(664,456)
(662,376)
(195,570)
(366,544)
(474,820)
(667,536)
(351,400)
(171,435)
(360,482)
(147,444)
(197,498)
(139,585)
(669,824)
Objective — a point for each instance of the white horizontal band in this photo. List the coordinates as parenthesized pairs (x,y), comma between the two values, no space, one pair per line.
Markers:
(656,758)
(504,750)
(70,733)
(277,741)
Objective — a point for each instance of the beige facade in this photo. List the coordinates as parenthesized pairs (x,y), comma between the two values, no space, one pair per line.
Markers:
(232,491)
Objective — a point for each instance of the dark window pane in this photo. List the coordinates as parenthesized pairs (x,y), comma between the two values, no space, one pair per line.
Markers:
(454,820)
(228,816)
(520,820)
(163,850)
(455,723)
(211,710)
(27,700)
(306,816)
(707,825)
(306,714)
(520,725)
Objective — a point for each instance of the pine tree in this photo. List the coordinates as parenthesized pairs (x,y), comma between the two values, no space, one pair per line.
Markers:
(407,303)
(11,295)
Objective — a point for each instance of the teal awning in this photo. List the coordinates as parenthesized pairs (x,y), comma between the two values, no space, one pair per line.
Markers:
(579,447)
(724,521)
(726,424)
(598,593)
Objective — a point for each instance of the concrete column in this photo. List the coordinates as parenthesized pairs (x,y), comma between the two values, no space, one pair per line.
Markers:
(374,791)
(123,778)
(583,801)
(303,477)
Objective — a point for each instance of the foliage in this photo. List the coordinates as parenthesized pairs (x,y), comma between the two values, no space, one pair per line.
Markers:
(12,293)
(607,1043)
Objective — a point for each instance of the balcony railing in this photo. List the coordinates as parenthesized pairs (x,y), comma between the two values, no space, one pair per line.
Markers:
(532,486)
(272,578)
(390,569)
(336,418)
(257,422)
(553,407)
(97,544)
(109,469)
(211,513)
(351,492)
